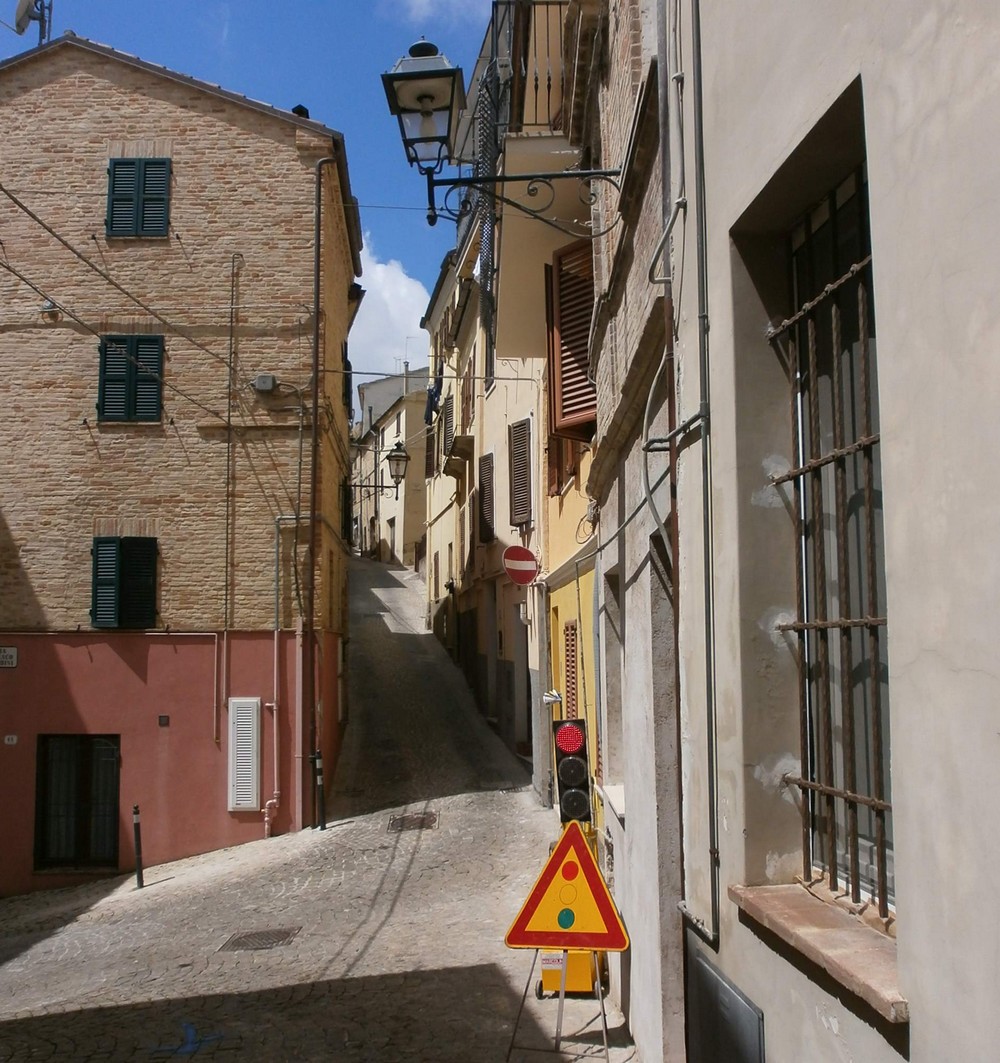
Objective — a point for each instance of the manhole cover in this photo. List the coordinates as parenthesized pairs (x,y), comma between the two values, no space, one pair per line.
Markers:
(259,939)
(413,821)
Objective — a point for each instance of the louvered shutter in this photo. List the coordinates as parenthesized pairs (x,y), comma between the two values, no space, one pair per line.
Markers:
(571,703)
(104,594)
(449,423)
(487,529)
(137,583)
(123,197)
(244,754)
(114,380)
(429,453)
(519,448)
(148,369)
(154,210)
(572,397)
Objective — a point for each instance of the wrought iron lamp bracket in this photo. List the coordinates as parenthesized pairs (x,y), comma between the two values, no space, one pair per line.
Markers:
(457,205)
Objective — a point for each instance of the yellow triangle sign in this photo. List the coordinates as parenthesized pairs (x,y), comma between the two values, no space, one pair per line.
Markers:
(570,906)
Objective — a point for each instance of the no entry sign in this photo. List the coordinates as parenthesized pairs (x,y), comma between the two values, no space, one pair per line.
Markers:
(520,564)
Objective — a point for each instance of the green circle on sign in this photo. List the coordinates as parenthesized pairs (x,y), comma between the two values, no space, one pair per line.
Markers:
(566,918)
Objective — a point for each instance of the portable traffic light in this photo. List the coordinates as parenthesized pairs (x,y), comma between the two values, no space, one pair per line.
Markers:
(572,770)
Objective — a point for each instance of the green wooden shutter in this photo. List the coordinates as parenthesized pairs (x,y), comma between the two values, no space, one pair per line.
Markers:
(138,197)
(137,585)
(154,209)
(123,197)
(148,367)
(106,554)
(114,380)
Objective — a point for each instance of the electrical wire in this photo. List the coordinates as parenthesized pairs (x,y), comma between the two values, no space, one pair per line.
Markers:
(4,264)
(104,275)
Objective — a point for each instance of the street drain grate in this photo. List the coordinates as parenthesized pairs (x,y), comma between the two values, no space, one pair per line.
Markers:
(260,939)
(413,821)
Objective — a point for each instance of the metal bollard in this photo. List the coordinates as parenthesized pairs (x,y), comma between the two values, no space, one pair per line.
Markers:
(320,795)
(137,833)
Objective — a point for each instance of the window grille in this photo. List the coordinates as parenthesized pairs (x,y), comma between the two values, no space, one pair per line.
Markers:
(840,629)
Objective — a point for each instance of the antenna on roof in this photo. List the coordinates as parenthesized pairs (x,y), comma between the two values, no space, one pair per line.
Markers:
(39,11)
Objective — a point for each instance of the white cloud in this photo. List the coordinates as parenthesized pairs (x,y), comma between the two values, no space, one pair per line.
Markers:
(387,329)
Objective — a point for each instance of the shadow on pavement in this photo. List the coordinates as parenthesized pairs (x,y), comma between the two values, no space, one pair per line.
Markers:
(32,917)
(455,1015)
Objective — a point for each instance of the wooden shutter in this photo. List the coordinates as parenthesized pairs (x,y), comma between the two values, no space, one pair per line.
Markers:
(449,423)
(123,197)
(104,581)
(137,583)
(346,512)
(113,380)
(519,449)
(487,529)
(154,209)
(244,754)
(138,197)
(429,454)
(148,370)
(571,703)
(572,397)
(130,381)
(348,386)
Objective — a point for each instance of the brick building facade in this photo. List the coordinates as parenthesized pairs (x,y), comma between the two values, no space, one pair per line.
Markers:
(172,550)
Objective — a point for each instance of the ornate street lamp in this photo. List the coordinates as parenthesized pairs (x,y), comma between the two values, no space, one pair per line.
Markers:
(427,94)
(397,460)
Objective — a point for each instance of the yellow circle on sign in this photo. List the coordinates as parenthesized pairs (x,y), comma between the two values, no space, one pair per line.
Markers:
(567,894)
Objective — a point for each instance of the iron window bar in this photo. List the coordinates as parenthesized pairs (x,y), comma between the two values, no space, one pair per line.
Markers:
(817,681)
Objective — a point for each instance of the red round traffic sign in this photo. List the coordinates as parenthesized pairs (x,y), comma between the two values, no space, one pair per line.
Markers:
(520,564)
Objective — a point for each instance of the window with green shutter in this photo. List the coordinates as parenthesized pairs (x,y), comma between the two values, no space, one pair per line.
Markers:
(124,582)
(138,197)
(130,386)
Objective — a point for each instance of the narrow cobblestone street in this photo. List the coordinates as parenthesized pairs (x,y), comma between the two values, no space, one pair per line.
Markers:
(385,945)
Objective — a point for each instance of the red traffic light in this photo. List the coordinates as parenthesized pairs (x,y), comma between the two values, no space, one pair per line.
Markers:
(570,737)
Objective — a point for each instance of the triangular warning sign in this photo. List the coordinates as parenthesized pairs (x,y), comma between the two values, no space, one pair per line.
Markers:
(569,906)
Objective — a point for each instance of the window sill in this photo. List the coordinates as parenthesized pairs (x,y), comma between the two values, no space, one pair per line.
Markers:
(859,957)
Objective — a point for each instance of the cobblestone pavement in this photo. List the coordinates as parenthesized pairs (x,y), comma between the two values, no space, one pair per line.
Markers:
(385,945)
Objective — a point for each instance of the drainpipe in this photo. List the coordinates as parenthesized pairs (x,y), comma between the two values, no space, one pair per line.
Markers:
(708,933)
(309,635)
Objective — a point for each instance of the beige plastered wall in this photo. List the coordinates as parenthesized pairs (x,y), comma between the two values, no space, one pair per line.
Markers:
(929,82)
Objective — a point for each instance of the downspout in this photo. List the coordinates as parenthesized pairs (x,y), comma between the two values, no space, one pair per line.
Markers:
(309,647)
(709,934)
(235,263)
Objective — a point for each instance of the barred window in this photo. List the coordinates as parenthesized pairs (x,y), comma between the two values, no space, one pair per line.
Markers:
(828,344)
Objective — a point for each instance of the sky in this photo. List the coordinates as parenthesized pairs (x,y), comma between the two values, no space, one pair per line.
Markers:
(327,55)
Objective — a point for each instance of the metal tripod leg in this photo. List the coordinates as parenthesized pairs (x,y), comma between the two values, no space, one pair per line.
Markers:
(562,997)
(599,993)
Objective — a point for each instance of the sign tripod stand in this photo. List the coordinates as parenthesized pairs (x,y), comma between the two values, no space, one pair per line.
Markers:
(569,907)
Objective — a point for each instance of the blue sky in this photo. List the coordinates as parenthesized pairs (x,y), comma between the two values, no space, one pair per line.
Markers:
(327,55)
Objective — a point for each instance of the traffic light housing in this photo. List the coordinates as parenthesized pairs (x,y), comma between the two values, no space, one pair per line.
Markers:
(572,771)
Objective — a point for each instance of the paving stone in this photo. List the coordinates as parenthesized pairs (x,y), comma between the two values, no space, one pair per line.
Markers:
(400,954)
